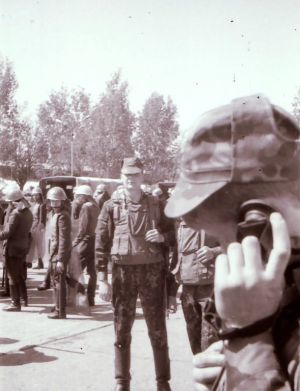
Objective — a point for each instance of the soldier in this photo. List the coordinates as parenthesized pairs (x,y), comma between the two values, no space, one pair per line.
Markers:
(59,248)
(15,235)
(101,195)
(85,238)
(38,209)
(132,230)
(197,252)
(239,164)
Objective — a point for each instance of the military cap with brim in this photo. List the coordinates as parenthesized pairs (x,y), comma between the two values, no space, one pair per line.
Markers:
(131,165)
(247,141)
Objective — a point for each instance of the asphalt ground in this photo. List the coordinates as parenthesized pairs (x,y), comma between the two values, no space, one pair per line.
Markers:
(37,353)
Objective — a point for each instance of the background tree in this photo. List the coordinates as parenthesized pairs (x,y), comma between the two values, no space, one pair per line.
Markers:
(16,136)
(155,137)
(64,131)
(296,106)
(113,124)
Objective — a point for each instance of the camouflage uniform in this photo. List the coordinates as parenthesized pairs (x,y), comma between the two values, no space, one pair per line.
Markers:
(138,270)
(197,283)
(248,142)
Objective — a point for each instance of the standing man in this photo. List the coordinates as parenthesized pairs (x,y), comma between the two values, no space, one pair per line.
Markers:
(101,195)
(15,235)
(85,238)
(59,248)
(197,252)
(38,209)
(132,230)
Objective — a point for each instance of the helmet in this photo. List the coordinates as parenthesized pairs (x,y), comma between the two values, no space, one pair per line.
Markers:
(84,190)
(249,141)
(36,190)
(57,194)
(157,192)
(13,193)
(101,187)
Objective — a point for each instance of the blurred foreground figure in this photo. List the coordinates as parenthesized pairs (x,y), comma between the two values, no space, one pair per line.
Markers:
(16,242)
(240,164)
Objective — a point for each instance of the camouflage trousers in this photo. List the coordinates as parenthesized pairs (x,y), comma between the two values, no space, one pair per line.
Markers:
(199,332)
(148,282)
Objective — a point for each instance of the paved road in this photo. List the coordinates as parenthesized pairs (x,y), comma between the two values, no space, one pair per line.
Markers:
(77,353)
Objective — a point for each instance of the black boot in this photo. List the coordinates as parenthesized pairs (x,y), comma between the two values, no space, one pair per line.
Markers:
(15,299)
(162,368)
(40,264)
(23,293)
(122,368)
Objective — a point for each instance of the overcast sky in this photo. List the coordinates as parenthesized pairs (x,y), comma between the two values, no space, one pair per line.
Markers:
(202,53)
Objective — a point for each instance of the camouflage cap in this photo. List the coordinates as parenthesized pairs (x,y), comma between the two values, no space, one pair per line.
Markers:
(131,165)
(247,141)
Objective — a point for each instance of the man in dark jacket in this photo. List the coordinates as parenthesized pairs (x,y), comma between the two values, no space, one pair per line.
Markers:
(132,231)
(15,235)
(85,237)
(59,248)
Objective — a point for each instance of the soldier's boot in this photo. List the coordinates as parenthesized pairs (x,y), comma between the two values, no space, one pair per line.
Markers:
(40,264)
(162,368)
(23,293)
(122,368)
(15,299)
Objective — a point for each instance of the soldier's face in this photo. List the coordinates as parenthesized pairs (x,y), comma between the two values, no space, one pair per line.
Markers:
(132,181)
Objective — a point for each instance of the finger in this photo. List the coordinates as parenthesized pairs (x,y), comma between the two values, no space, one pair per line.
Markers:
(235,258)
(201,387)
(217,346)
(222,269)
(281,252)
(208,359)
(206,375)
(252,255)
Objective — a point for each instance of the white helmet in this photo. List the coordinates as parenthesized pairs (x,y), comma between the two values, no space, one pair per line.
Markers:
(36,190)
(84,190)
(56,193)
(13,193)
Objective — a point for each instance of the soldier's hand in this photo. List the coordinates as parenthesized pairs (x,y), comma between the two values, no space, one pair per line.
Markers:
(154,236)
(207,366)
(205,254)
(59,267)
(104,291)
(246,290)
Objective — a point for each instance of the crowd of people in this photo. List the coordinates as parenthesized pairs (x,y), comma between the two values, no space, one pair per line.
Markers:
(229,234)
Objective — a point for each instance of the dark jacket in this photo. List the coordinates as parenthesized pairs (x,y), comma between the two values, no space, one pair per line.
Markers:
(60,237)
(87,222)
(15,233)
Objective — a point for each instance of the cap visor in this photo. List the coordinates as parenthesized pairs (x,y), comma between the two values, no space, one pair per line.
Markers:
(131,170)
(187,196)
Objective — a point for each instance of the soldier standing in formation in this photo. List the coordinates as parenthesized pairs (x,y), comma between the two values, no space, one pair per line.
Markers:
(38,209)
(85,237)
(131,230)
(15,235)
(59,248)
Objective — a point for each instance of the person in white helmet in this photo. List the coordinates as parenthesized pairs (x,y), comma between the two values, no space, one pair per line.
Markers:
(38,210)
(85,238)
(15,236)
(59,248)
